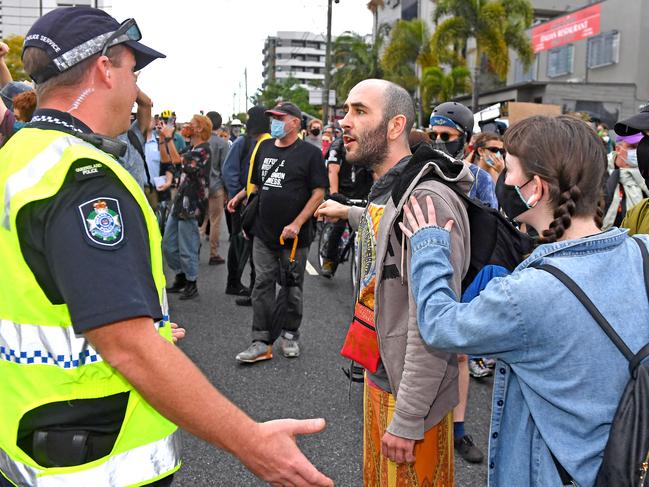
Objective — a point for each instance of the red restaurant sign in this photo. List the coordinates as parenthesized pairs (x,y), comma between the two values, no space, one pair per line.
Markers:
(569,28)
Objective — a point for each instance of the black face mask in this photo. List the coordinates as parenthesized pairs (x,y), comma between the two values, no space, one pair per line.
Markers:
(510,198)
(454,149)
(315,132)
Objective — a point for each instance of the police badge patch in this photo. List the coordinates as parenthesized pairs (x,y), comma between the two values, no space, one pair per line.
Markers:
(102,221)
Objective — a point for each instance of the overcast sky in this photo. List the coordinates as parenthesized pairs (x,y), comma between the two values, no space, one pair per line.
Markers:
(209,44)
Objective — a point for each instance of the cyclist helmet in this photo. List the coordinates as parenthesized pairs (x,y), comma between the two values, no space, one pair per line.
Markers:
(455,115)
(167,114)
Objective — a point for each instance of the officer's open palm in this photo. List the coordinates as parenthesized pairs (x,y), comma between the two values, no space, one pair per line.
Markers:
(277,458)
(332,211)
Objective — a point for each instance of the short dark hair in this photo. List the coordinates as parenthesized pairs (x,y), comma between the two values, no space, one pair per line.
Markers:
(215,118)
(398,102)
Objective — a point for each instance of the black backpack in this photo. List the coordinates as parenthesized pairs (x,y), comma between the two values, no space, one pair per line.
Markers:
(626,456)
(494,240)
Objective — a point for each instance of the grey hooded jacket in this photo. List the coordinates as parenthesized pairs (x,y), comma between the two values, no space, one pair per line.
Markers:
(423,380)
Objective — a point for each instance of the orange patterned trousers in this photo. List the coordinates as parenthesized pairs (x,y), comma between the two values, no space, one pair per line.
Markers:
(433,465)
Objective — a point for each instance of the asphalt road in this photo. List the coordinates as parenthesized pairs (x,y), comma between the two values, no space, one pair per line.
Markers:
(312,385)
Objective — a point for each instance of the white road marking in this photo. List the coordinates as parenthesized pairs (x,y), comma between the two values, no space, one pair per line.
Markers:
(310,269)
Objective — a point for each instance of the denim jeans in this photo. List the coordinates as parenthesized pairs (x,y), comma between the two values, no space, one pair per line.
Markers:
(274,312)
(180,245)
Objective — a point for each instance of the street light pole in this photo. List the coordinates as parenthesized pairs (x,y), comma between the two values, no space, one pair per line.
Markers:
(327,80)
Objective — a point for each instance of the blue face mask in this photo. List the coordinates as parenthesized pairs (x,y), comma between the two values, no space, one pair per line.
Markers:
(632,157)
(277,128)
(18,125)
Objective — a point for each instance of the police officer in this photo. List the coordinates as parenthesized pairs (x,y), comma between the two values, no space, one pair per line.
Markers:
(92,386)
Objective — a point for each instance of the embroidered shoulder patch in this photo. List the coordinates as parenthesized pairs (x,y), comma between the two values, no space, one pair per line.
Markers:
(102,220)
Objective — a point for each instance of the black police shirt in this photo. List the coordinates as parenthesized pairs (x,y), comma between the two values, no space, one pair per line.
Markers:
(285,193)
(88,245)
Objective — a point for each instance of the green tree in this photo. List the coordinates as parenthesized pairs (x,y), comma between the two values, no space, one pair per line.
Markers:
(495,26)
(408,47)
(354,60)
(287,89)
(13,58)
(438,85)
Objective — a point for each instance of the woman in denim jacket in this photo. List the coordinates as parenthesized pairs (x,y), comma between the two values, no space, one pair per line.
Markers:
(559,378)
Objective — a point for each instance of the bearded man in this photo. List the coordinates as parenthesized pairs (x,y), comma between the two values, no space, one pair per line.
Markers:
(410,390)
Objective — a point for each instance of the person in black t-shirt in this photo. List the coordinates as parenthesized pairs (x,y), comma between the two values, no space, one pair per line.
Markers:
(346,181)
(290,180)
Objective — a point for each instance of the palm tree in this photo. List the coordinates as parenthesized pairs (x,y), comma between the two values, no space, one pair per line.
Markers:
(408,49)
(407,55)
(354,60)
(495,25)
(438,85)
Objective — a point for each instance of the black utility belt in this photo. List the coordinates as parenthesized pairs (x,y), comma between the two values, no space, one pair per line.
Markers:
(67,447)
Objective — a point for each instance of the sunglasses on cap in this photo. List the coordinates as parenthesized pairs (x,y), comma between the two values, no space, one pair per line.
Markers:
(443,136)
(497,150)
(127,31)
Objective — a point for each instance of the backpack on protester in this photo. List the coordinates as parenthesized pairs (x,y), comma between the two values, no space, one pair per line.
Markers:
(626,455)
(493,239)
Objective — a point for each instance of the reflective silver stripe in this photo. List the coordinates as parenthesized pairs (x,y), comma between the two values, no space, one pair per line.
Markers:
(32,173)
(48,345)
(131,467)
(85,50)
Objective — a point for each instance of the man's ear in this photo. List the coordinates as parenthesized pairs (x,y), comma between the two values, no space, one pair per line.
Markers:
(102,71)
(396,127)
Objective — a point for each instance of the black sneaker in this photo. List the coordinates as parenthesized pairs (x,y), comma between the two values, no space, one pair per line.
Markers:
(216,260)
(237,290)
(467,450)
(190,291)
(245,301)
(179,284)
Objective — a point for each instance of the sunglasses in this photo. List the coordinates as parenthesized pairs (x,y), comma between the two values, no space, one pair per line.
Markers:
(443,136)
(127,31)
(497,150)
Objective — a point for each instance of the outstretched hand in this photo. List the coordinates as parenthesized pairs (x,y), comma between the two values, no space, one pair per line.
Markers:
(277,458)
(414,219)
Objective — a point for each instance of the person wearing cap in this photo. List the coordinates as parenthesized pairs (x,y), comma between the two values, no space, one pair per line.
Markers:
(625,186)
(235,129)
(93,388)
(636,219)
(290,180)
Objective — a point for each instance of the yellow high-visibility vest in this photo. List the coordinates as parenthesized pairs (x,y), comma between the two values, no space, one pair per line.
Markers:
(42,360)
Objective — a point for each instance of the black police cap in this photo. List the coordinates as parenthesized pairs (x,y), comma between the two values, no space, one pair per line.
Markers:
(70,35)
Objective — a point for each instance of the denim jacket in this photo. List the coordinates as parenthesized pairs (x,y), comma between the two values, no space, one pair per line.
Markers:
(559,378)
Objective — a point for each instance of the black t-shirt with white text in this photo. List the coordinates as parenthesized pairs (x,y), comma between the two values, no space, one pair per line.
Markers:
(286,192)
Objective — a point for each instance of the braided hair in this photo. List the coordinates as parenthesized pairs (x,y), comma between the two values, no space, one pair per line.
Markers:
(568,155)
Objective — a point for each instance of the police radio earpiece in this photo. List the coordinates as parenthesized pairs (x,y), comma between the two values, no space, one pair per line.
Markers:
(114,147)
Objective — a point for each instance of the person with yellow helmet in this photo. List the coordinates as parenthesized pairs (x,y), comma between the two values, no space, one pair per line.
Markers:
(93,388)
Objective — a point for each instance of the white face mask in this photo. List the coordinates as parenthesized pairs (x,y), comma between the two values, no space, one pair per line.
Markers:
(632,157)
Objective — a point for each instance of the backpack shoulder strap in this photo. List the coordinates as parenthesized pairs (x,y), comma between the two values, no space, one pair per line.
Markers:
(590,307)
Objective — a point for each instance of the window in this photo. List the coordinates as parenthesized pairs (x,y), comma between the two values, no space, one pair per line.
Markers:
(604,49)
(560,61)
(521,74)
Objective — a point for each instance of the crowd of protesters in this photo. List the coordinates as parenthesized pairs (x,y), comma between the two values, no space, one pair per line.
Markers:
(206,171)
(571,185)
